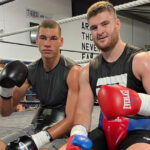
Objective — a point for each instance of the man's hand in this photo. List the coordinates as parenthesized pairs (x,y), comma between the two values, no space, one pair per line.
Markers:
(64,147)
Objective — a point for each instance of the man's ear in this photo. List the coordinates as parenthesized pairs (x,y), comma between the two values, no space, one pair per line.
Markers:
(37,41)
(62,41)
(118,24)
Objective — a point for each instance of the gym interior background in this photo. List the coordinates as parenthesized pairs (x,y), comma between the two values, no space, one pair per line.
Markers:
(18,15)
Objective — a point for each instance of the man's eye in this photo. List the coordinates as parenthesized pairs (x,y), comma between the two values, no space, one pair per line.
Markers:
(93,28)
(54,38)
(105,23)
(42,37)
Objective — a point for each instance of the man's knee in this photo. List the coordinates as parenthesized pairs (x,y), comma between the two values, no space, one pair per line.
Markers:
(139,146)
(2,145)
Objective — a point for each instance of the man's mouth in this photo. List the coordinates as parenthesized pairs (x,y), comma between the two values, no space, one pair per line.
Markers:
(47,51)
(101,38)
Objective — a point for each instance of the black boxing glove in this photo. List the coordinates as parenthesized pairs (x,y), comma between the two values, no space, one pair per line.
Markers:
(22,143)
(35,142)
(13,74)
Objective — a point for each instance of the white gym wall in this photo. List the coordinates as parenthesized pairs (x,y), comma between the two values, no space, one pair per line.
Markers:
(13,17)
(77,38)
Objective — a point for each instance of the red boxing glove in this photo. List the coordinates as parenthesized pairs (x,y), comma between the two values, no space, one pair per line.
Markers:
(118,101)
(70,146)
(79,142)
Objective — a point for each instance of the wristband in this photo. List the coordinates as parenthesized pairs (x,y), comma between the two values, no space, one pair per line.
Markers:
(6,93)
(41,138)
(145,104)
(78,130)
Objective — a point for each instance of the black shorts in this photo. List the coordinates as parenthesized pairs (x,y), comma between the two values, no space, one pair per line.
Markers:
(46,118)
(133,137)
(99,141)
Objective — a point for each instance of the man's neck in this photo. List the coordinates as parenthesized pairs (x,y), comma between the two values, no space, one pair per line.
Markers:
(50,63)
(115,53)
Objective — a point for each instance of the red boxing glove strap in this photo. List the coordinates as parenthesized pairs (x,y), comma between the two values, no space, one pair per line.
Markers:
(115,131)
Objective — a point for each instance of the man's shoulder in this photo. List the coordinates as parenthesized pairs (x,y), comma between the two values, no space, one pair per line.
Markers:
(34,64)
(67,62)
(95,61)
(134,48)
(133,51)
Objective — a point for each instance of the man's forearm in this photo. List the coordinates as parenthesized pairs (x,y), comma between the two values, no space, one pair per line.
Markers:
(60,128)
(6,107)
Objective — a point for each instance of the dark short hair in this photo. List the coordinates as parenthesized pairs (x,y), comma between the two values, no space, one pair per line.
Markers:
(99,7)
(49,24)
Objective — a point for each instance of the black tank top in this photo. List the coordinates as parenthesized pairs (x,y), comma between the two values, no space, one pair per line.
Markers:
(50,87)
(118,72)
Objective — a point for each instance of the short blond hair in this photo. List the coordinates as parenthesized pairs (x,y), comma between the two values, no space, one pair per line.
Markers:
(99,7)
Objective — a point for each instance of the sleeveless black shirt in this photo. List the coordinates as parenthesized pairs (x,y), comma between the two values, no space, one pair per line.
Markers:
(50,87)
(118,72)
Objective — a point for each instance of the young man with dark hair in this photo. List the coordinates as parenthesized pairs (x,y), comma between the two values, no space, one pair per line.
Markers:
(54,79)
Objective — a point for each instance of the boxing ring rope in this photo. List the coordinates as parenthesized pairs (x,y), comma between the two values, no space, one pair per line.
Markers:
(119,7)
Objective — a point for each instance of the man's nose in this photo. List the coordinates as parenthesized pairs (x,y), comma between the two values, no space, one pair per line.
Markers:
(100,29)
(47,42)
